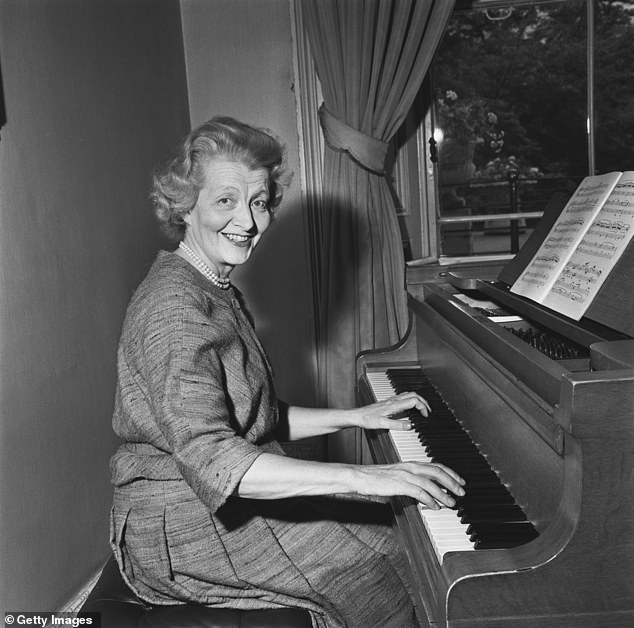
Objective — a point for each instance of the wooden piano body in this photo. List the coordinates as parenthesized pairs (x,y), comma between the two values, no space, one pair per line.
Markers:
(560,434)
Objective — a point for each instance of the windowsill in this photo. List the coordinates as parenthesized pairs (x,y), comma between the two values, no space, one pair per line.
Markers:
(448,261)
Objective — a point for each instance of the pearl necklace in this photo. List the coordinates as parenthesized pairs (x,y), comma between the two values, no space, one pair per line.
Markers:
(217,280)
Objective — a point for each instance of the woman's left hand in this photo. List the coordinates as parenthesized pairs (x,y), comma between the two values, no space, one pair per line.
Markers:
(389,414)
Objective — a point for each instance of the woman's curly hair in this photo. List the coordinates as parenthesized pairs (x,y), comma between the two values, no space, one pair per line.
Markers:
(176,186)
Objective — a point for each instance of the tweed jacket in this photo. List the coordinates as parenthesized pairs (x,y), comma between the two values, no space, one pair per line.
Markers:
(195,406)
(195,397)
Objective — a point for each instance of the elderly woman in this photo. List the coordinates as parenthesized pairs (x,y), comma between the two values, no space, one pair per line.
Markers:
(207,508)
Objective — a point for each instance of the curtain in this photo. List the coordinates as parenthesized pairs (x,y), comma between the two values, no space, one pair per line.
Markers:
(371,57)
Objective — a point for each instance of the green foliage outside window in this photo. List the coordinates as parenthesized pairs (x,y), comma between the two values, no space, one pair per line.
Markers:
(528,73)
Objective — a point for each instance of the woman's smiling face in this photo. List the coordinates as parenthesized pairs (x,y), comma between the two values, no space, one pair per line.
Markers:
(230,216)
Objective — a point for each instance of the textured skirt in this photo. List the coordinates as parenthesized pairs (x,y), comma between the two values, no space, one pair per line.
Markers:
(335,557)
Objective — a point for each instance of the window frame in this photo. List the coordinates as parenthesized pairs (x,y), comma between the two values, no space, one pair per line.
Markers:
(427,173)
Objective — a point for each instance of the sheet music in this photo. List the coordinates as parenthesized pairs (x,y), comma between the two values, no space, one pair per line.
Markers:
(599,249)
(541,273)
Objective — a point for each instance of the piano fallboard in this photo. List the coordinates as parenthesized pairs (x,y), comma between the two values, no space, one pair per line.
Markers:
(560,435)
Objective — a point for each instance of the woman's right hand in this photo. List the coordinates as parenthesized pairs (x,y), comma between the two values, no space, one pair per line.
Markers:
(271,476)
(430,484)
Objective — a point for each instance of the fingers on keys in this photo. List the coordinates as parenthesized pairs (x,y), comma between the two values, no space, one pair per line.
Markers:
(408,400)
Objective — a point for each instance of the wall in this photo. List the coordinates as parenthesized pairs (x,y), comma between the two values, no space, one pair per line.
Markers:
(239,63)
(95,94)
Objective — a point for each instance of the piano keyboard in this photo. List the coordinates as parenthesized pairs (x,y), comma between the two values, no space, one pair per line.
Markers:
(487,517)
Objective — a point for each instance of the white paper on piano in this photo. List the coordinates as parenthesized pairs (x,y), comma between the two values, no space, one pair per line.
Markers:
(583,245)
(488,308)
(478,304)
(511,318)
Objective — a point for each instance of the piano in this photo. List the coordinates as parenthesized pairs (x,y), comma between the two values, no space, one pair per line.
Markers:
(536,411)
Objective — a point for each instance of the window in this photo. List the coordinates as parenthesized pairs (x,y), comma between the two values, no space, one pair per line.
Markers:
(523,100)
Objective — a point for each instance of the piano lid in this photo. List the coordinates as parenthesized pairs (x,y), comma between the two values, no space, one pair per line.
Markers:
(613,306)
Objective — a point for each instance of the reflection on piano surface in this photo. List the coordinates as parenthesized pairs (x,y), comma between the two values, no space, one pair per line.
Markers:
(543,431)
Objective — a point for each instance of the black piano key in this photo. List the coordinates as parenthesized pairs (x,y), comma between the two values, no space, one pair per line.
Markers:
(490,493)
(489,509)
(450,453)
(500,543)
(499,536)
(502,512)
(472,470)
(493,497)
(510,530)
(474,485)
(482,518)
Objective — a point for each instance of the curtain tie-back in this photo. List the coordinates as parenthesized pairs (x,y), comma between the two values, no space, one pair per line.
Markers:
(366,150)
